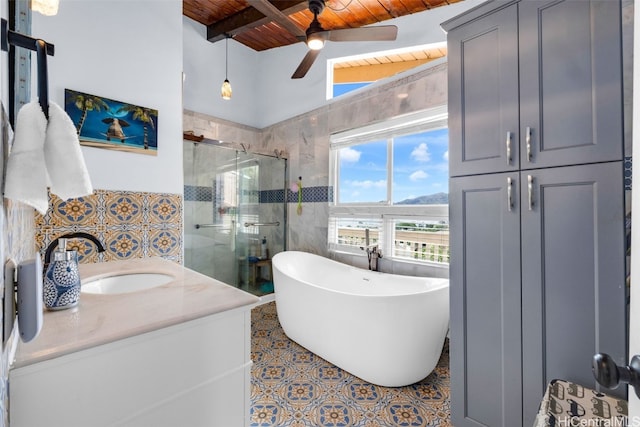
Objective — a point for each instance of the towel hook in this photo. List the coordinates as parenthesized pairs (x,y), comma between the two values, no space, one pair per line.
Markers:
(42,49)
(43,85)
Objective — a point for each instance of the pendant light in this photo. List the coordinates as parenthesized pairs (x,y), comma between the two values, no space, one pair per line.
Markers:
(226,86)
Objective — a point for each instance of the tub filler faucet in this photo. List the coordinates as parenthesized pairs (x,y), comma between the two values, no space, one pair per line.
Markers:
(373,251)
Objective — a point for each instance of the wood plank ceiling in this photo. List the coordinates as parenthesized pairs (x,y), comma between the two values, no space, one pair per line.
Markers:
(236,18)
(380,66)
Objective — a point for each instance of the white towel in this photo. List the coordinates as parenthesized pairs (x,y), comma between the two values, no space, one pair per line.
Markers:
(45,154)
(62,154)
(26,178)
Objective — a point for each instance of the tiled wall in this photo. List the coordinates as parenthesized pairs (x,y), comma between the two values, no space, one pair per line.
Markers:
(17,244)
(16,221)
(129,224)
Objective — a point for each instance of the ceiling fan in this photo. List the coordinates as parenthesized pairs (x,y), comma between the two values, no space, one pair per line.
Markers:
(315,36)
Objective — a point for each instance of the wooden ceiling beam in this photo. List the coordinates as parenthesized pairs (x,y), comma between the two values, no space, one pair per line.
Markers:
(249,18)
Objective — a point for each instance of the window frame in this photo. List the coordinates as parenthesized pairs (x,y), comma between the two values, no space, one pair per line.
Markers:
(418,122)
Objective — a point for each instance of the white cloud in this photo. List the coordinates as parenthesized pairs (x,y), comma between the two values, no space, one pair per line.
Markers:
(418,175)
(445,156)
(421,153)
(369,184)
(349,155)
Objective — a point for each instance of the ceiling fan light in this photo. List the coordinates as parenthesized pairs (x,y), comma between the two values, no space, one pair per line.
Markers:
(225,91)
(315,42)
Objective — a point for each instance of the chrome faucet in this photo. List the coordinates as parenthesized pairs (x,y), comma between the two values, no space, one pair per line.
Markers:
(53,244)
(373,251)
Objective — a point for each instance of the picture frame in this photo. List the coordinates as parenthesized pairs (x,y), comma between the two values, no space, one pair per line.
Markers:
(106,123)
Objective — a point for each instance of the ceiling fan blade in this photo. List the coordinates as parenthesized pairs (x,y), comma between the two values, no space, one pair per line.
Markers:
(270,11)
(378,33)
(306,63)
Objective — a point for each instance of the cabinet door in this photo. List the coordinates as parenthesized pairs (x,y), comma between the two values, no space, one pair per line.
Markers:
(570,82)
(573,284)
(483,94)
(485,301)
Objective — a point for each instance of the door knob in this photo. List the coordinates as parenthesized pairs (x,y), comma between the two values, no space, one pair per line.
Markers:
(610,375)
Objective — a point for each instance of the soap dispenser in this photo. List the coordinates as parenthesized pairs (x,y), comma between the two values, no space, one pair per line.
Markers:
(62,280)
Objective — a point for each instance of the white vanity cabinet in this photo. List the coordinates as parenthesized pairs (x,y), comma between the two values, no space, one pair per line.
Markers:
(191,374)
(177,354)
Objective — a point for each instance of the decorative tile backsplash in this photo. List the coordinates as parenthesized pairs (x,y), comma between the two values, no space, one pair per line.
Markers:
(312,194)
(198,193)
(129,224)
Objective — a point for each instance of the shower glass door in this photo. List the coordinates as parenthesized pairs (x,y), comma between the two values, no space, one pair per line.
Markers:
(261,219)
(233,201)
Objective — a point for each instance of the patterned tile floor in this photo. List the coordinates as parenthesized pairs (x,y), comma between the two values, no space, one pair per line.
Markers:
(291,386)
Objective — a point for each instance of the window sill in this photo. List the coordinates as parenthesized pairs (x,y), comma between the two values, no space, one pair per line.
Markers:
(361,254)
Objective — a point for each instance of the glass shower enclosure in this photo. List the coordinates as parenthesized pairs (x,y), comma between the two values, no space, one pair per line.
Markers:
(234,209)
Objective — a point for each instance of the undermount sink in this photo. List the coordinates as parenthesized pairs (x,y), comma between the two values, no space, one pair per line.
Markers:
(125,283)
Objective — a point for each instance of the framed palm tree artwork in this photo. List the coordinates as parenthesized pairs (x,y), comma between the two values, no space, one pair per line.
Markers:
(105,123)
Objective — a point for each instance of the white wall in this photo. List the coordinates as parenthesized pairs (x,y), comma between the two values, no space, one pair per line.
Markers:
(129,51)
(266,76)
(204,68)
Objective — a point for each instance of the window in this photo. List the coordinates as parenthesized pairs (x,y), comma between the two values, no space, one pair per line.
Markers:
(351,232)
(392,179)
(421,240)
(363,173)
(234,188)
(353,72)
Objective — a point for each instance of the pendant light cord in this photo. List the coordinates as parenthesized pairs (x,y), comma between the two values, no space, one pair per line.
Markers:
(226,59)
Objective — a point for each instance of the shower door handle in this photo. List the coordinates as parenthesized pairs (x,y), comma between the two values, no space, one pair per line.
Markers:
(211,226)
(260,224)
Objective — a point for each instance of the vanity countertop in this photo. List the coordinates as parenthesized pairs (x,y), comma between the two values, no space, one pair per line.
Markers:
(101,319)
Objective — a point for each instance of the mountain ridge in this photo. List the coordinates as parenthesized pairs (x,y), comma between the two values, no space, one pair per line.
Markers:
(430,199)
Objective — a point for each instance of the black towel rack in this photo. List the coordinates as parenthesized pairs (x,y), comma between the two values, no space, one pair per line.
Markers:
(42,49)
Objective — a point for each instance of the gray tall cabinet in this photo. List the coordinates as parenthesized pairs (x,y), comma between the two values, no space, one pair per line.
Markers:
(536,202)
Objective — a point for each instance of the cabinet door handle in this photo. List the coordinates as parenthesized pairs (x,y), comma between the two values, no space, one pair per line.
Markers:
(530,187)
(528,141)
(508,148)
(509,194)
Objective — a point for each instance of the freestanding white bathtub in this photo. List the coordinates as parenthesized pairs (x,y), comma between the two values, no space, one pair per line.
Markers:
(384,328)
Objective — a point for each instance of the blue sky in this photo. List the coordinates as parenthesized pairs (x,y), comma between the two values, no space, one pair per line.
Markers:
(342,88)
(421,167)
